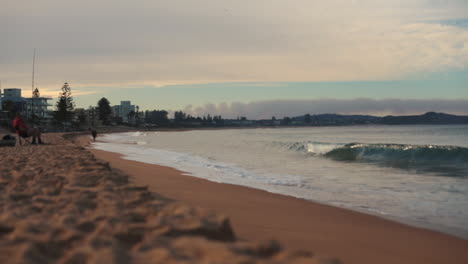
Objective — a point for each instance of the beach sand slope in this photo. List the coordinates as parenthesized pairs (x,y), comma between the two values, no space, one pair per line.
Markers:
(59,204)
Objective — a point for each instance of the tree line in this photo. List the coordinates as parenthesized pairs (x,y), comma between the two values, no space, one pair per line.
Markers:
(65,114)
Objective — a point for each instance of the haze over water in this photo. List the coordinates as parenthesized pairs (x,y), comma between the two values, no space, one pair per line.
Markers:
(414,174)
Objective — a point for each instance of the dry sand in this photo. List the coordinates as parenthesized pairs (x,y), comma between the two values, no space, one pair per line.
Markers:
(258,215)
(59,204)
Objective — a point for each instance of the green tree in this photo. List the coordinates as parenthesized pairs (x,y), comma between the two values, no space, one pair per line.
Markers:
(82,117)
(92,115)
(159,117)
(308,118)
(179,116)
(65,105)
(218,120)
(131,117)
(105,111)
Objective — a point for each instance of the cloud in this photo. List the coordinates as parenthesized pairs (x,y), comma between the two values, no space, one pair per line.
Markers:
(110,43)
(282,108)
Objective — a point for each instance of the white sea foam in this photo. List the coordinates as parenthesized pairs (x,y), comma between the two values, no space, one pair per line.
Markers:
(276,160)
(322,148)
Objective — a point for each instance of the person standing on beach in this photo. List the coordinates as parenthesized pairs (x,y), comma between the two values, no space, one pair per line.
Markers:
(24,131)
(94,134)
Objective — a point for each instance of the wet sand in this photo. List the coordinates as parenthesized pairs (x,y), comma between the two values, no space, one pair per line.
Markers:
(258,215)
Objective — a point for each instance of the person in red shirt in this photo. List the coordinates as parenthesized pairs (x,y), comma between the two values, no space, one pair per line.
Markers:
(24,131)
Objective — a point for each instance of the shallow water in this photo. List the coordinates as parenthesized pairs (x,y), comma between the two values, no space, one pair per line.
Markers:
(414,174)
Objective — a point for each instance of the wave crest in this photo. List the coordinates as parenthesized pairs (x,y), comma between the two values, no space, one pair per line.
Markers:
(410,153)
(442,160)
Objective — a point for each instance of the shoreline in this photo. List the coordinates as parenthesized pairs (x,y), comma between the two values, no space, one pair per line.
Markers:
(352,236)
(458,232)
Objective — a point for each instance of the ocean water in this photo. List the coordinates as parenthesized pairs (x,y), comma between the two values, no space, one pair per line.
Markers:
(413,174)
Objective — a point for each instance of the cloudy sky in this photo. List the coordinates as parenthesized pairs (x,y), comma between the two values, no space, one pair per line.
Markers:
(243,56)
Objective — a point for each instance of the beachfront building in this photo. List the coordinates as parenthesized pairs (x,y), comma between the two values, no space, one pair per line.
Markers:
(37,105)
(93,116)
(87,118)
(12,93)
(12,100)
(123,111)
(115,111)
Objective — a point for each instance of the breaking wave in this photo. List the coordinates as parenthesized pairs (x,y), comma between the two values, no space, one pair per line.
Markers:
(441,160)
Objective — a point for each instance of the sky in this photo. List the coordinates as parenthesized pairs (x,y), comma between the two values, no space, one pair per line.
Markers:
(243,57)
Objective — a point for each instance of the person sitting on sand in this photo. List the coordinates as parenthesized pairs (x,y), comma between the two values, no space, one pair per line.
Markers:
(24,131)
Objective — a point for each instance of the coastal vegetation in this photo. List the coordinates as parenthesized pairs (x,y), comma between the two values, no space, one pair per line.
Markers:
(105,110)
(66,117)
(65,105)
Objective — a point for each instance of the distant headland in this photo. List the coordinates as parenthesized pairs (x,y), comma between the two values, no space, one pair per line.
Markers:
(429,118)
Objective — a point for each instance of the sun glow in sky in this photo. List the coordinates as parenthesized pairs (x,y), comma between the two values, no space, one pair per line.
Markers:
(171,54)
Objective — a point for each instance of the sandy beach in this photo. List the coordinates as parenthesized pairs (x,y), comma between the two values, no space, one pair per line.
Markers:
(60,204)
(302,225)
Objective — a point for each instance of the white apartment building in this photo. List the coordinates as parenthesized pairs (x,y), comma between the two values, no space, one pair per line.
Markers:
(123,110)
(36,105)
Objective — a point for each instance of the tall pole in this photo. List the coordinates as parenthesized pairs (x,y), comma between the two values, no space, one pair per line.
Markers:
(34,61)
(32,82)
